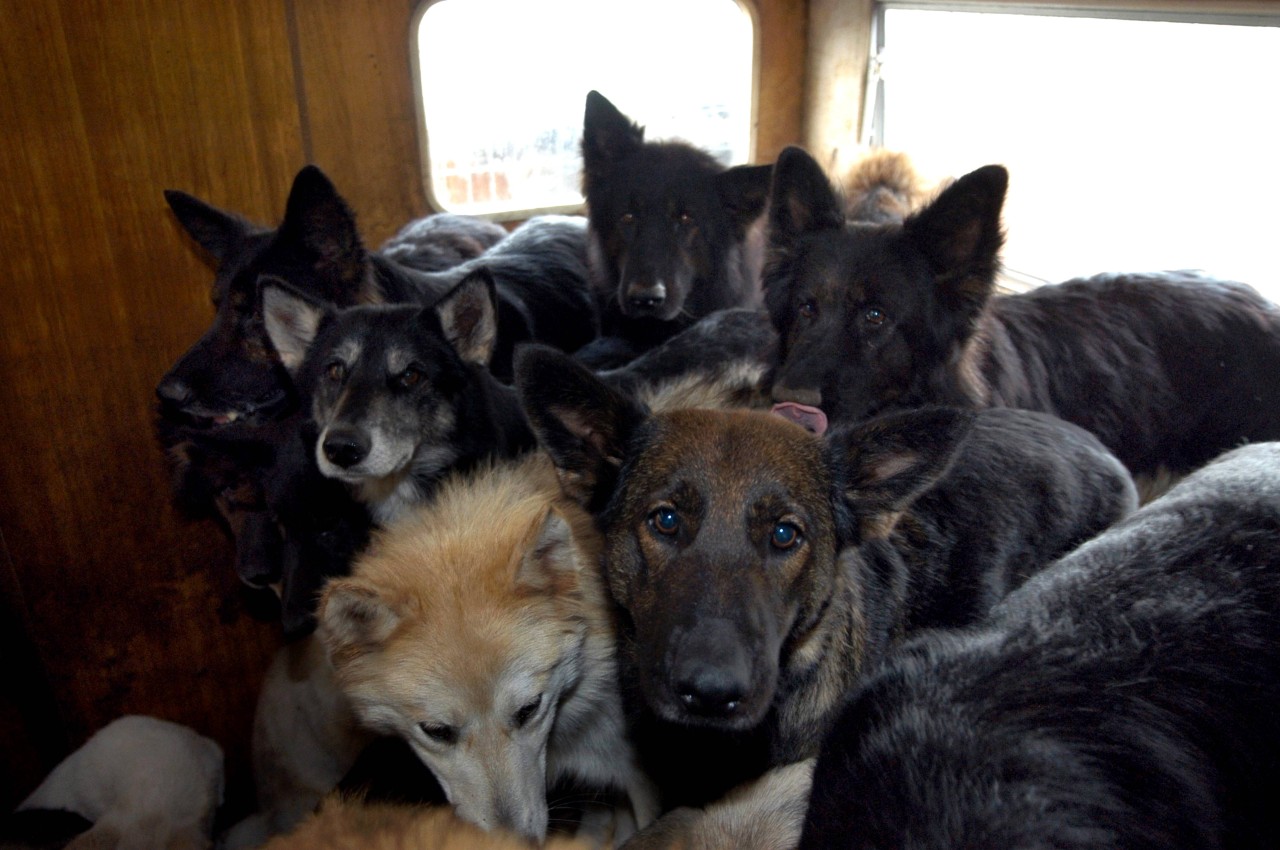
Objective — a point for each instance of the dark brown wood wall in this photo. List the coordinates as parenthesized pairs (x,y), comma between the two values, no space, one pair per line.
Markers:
(112,602)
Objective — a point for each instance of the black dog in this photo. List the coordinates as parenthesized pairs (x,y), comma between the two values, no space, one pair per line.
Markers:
(740,630)
(232,374)
(1167,369)
(292,527)
(670,233)
(1123,698)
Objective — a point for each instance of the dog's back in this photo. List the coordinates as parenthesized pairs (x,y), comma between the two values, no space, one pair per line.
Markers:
(1024,488)
(1124,698)
(1168,369)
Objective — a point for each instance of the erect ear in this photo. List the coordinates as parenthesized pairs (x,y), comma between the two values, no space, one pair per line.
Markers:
(744,190)
(885,464)
(551,564)
(292,320)
(353,618)
(321,223)
(801,200)
(469,318)
(218,232)
(960,234)
(578,419)
(607,135)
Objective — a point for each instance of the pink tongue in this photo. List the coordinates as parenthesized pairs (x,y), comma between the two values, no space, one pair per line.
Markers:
(810,418)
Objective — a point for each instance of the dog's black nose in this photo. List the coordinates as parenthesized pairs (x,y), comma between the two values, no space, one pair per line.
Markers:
(710,672)
(345,448)
(646,297)
(174,391)
(710,691)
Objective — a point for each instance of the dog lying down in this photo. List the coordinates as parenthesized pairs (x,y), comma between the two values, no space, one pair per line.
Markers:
(144,783)
(1125,697)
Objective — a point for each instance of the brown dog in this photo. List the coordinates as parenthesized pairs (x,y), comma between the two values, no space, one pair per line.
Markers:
(759,569)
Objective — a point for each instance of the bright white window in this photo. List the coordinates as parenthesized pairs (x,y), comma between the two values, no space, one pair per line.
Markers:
(1132,145)
(503,86)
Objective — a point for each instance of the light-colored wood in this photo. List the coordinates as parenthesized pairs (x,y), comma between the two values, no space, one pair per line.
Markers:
(839,49)
(780,88)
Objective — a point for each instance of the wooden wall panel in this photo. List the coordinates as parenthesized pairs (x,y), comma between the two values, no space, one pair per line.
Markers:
(782,85)
(131,607)
(354,60)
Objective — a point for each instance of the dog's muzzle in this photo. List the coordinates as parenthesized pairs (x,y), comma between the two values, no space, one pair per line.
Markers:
(711,673)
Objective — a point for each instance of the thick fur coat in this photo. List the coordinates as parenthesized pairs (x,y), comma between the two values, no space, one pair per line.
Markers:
(1125,697)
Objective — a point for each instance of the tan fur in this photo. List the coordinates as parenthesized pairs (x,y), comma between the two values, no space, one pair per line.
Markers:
(764,814)
(739,385)
(351,825)
(489,590)
(884,184)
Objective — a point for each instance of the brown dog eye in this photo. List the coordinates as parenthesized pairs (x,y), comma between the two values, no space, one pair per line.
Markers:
(628,218)
(335,371)
(808,309)
(685,219)
(409,378)
(874,316)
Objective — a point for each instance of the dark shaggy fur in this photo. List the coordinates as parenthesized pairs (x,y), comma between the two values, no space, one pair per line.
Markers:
(441,241)
(540,274)
(231,373)
(741,626)
(292,527)
(670,238)
(1168,369)
(1126,697)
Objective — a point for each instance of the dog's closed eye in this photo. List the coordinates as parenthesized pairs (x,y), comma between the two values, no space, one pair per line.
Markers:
(439,732)
(526,712)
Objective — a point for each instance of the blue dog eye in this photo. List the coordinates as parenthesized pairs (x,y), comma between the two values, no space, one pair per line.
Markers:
(665,520)
(784,535)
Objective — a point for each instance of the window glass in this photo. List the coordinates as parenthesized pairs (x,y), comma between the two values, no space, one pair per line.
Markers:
(503,85)
(1132,145)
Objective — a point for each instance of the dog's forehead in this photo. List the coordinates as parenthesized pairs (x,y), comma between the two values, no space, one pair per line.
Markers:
(730,450)
(858,264)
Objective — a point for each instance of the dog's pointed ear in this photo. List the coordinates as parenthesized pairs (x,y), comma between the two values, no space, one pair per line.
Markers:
(469,318)
(319,221)
(744,191)
(882,466)
(353,618)
(551,565)
(802,199)
(607,135)
(582,422)
(216,231)
(292,321)
(960,234)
